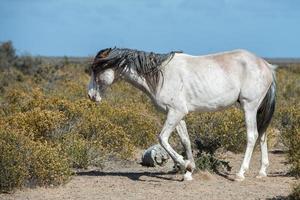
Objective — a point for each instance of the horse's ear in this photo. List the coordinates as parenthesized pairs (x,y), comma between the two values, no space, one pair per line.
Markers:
(105,53)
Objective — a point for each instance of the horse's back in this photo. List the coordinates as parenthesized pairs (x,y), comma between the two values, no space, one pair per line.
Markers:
(238,66)
(254,73)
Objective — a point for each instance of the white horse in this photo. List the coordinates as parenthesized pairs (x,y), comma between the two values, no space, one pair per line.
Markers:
(179,83)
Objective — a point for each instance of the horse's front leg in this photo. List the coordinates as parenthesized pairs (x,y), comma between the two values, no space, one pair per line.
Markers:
(185,140)
(173,118)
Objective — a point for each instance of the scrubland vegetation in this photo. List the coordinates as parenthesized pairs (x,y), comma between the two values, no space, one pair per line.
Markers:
(48,125)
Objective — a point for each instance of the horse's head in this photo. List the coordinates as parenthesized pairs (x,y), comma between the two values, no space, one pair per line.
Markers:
(102,76)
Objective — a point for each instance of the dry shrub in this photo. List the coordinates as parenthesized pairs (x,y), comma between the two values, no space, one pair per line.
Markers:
(111,136)
(287,114)
(22,99)
(25,162)
(82,153)
(13,161)
(141,127)
(38,124)
(116,129)
(7,55)
(49,166)
(28,65)
(226,127)
(295,195)
(289,124)
(7,77)
(288,86)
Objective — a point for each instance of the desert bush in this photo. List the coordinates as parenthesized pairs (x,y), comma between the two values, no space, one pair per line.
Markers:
(13,161)
(289,125)
(19,99)
(112,137)
(7,55)
(295,195)
(25,162)
(206,158)
(82,153)
(38,124)
(27,64)
(48,166)
(8,77)
(207,162)
(288,86)
(226,127)
(141,127)
(43,117)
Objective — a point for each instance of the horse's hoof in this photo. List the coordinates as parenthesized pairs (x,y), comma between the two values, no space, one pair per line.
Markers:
(187,176)
(189,166)
(239,178)
(261,175)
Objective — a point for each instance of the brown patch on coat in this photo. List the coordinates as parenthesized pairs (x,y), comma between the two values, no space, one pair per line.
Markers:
(227,60)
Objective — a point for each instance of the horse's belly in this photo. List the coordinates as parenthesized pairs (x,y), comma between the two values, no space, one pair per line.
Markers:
(211,96)
(212,104)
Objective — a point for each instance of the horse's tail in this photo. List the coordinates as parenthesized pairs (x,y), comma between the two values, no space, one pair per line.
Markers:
(267,106)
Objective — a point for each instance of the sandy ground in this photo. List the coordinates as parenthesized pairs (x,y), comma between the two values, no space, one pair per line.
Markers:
(129,180)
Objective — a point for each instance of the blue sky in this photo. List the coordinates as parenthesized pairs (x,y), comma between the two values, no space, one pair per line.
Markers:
(269,28)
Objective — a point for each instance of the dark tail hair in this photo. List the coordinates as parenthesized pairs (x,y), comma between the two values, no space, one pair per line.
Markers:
(266,108)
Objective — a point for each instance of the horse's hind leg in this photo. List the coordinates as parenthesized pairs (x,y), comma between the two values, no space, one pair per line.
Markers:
(185,140)
(250,110)
(264,156)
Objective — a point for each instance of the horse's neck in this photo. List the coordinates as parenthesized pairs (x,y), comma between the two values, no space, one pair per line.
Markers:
(131,76)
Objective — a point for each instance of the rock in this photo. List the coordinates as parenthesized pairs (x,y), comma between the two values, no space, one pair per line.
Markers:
(155,155)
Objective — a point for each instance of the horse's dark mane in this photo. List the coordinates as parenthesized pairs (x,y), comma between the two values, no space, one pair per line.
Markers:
(146,64)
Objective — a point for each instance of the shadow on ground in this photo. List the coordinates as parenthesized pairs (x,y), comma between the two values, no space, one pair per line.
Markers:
(135,176)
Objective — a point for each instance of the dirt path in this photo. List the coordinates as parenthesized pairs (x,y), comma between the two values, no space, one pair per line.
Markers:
(133,181)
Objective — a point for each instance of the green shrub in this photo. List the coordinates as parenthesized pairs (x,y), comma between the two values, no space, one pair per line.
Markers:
(209,162)
(206,158)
